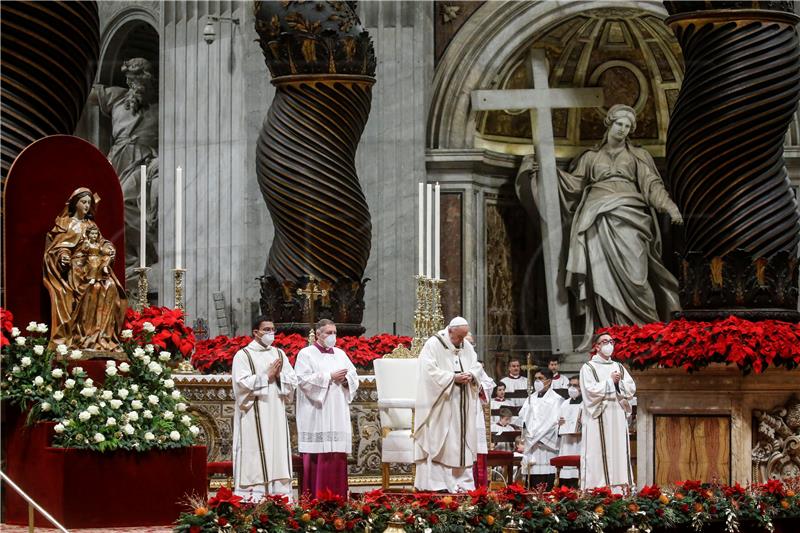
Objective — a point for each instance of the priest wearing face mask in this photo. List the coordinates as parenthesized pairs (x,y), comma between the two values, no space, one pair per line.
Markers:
(327,384)
(263,383)
(606,388)
(539,418)
(445,432)
(569,431)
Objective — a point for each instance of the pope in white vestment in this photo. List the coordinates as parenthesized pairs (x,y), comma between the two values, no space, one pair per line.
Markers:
(605,455)
(445,433)
(262,458)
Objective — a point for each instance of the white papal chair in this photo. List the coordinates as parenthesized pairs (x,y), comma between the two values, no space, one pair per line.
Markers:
(396,381)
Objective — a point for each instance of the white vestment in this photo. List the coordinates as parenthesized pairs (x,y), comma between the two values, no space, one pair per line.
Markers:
(487,385)
(605,449)
(570,435)
(323,407)
(262,458)
(539,417)
(560,382)
(519,383)
(445,433)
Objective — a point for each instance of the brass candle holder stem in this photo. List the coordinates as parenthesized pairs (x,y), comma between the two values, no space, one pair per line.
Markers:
(141,288)
(179,275)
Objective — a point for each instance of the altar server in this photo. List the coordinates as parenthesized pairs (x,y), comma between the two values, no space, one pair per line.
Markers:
(486,386)
(327,384)
(445,433)
(516,384)
(607,389)
(569,431)
(539,417)
(263,383)
(560,381)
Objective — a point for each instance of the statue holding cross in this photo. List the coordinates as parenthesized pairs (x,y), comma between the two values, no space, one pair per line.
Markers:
(312,293)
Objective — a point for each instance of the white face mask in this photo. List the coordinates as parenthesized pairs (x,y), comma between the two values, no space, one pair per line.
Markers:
(573,392)
(607,349)
(330,340)
(538,386)
(267,338)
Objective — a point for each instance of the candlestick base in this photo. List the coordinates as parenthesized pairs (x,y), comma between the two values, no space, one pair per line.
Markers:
(179,274)
(185,367)
(141,288)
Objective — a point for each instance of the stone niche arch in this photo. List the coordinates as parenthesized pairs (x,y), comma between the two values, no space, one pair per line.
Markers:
(485,51)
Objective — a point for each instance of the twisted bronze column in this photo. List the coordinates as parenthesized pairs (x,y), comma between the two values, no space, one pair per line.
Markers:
(323,65)
(725,160)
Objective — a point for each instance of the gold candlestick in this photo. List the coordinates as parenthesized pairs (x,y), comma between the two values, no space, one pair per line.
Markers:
(419,316)
(141,288)
(179,274)
(436,300)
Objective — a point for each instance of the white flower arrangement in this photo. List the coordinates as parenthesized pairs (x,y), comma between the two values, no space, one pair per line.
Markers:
(168,383)
(58,395)
(164,356)
(168,415)
(25,361)
(31,327)
(106,395)
(62,349)
(75,355)
(38,381)
(148,327)
(124,367)
(38,349)
(70,383)
(126,334)
(15,332)
(20,341)
(115,404)
(123,393)
(57,373)
(111,371)
(136,404)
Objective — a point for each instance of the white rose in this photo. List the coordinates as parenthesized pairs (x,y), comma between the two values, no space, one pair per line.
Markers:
(16,369)
(133,416)
(69,383)
(124,367)
(148,327)
(76,371)
(88,382)
(20,341)
(174,435)
(176,395)
(62,349)
(57,373)
(181,407)
(155,368)
(38,380)
(111,371)
(135,388)
(164,356)
(88,392)
(146,359)
(111,421)
(149,348)
(138,352)
(194,430)
(152,399)
(126,334)
(128,429)
(115,404)
(136,404)
(15,332)
(59,428)
(31,326)
(147,413)
(102,404)
(84,416)
(66,422)
(41,327)
(46,406)
(58,395)
(75,354)
(168,383)
(38,349)
(98,437)
(93,410)
(186,420)
(122,393)
(26,361)
(169,415)
(107,395)
(111,362)
(149,436)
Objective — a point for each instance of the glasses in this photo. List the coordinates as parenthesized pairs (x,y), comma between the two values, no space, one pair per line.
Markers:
(604,342)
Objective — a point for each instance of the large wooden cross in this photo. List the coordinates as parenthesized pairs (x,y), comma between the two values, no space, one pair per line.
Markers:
(540,101)
(312,292)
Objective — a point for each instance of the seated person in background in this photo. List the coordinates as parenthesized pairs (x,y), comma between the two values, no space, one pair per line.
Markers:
(501,426)
(560,381)
(569,431)
(539,417)
(499,401)
(516,384)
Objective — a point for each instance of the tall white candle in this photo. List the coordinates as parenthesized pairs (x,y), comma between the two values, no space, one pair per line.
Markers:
(421,228)
(143,217)
(178,217)
(428,228)
(437,220)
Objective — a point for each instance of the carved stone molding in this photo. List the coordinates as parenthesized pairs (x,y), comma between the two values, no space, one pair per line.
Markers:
(776,448)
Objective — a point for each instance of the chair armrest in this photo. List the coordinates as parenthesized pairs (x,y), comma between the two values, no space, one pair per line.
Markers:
(396,403)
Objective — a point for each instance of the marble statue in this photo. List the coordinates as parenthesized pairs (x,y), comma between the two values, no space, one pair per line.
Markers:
(134,130)
(610,197)
(88,302)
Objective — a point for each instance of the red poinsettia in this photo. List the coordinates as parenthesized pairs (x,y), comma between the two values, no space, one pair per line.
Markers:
(171,334)
(752,346)
(6,324)
(224,496)
(650,491)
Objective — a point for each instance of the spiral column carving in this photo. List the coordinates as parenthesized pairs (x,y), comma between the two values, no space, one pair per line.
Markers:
(50,52)
(323,65)
(725,154)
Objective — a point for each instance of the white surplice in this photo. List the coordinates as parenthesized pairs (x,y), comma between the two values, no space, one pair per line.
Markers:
(487,386)
(605,449)
(569,442)
(262,459)
(445,433)
(515,384)
(560,382)
(539,416)
(323,407)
